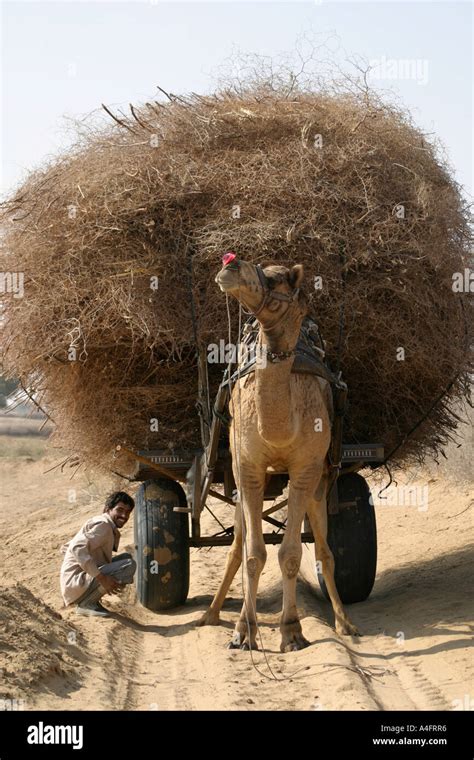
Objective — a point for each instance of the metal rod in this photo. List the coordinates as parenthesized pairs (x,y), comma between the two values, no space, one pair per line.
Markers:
(276,523)
(153,465)
(228,500)
(220,496)
(275,508)
(269,538)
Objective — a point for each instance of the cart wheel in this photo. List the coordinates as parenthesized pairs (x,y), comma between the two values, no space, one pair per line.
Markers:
(352,537)
(162,545)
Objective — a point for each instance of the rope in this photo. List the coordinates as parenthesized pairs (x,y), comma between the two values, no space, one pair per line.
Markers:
(224,529)
(244,527)
(191,300)
(237,451)
(389,482)
(342,311)
(342,258)
(202,412)
(272,677)
(439,398)
(422,419)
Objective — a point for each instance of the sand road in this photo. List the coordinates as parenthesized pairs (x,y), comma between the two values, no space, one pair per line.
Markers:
(415,652)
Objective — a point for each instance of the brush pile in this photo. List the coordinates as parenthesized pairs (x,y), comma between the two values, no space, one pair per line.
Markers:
(120,240)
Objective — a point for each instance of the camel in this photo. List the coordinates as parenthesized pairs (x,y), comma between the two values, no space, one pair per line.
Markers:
(280,420)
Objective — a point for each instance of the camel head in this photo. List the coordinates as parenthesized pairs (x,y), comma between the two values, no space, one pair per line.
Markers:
(273,294)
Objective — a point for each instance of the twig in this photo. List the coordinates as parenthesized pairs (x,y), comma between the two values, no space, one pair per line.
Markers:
(119,121)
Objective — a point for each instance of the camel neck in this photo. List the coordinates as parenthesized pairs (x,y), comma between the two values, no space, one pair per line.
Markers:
(284,336)
(272,385)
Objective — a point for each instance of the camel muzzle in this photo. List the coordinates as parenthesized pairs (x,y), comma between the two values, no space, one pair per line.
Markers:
(226,280)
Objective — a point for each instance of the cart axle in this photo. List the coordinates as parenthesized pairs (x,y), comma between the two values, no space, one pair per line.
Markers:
(269,538)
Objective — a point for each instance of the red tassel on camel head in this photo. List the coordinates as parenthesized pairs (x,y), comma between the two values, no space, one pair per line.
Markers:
(228,257)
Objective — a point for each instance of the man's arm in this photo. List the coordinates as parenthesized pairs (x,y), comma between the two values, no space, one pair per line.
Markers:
(111,585)
(93,538)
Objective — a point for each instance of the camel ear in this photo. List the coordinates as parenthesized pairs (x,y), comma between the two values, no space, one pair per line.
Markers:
(295,278)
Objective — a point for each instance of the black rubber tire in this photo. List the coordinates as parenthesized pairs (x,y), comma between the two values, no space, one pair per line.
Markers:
(352,537)
(161,538)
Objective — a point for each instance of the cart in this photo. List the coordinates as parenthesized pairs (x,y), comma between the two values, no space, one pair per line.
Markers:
(175,488)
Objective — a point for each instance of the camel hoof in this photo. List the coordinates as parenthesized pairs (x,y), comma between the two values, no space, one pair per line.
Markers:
(246,647)
(346,628)
(298,642)
(209,618)
(292,638)
(238,643)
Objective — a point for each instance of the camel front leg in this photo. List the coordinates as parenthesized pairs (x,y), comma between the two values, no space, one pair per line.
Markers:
(254,554)
(289,557)
(317,514)
(234,560)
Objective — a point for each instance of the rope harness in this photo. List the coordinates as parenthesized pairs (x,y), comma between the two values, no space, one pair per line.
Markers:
(309,358)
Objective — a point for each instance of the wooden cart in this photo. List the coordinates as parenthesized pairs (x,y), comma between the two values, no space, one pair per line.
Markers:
(176,487)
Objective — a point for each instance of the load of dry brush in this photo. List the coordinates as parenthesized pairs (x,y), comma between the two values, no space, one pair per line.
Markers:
(120,241)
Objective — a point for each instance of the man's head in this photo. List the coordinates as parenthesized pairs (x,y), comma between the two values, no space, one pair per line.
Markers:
(119,507)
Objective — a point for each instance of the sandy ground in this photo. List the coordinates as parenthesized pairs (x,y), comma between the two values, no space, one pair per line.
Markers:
(415,652)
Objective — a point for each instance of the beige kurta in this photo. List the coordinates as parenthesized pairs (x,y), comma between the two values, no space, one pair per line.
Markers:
(91,546)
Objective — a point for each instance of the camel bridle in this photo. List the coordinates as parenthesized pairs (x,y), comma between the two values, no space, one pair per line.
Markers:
(269,295)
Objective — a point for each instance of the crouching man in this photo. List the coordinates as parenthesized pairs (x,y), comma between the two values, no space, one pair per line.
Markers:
(88,570)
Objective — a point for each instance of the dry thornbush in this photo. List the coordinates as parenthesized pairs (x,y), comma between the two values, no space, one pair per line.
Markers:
(338,181)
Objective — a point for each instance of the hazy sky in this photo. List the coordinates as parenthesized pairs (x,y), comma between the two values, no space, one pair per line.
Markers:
(65,58)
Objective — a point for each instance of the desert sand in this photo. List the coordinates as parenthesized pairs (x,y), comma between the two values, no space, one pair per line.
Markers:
(415,652)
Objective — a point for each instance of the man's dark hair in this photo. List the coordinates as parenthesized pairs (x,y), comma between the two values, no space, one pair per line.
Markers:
(117,496)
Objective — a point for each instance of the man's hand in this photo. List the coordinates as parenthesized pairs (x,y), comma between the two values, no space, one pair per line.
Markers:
(110,584)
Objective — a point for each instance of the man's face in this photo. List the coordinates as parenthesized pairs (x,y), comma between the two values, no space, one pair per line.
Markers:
(120,514)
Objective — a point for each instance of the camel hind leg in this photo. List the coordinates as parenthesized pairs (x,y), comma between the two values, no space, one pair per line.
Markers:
(233,562)
(317,515)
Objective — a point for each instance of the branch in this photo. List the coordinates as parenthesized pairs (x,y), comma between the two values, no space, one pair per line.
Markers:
(119,121)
